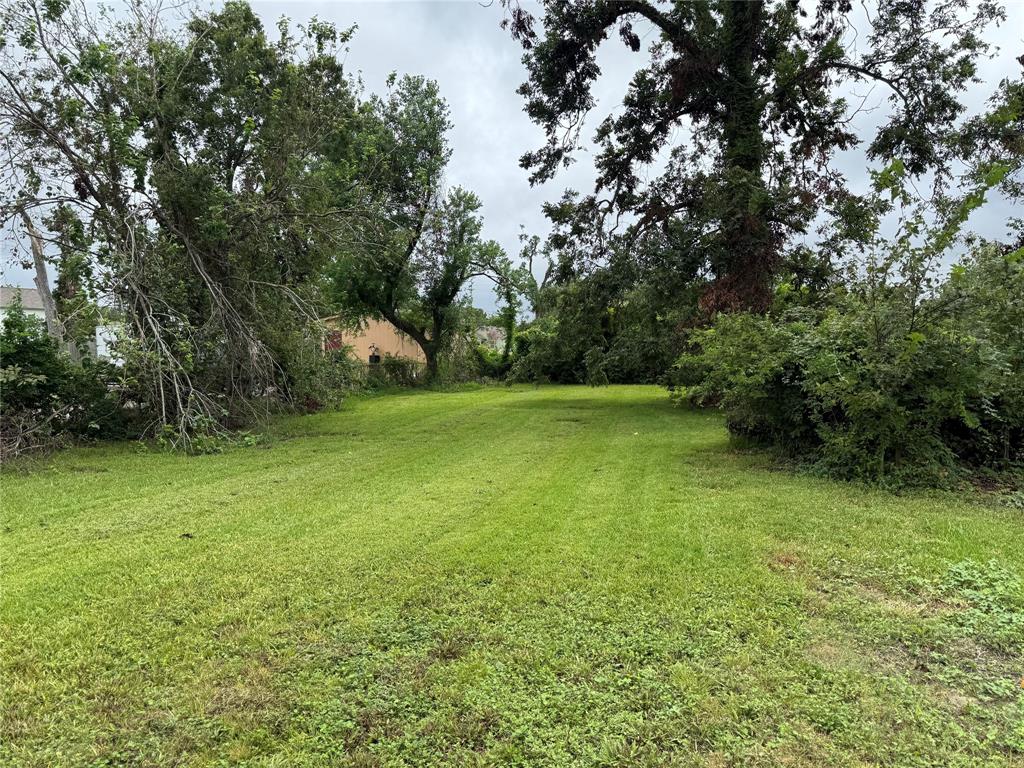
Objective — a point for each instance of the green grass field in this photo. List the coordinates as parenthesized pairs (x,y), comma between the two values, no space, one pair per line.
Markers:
(549,577)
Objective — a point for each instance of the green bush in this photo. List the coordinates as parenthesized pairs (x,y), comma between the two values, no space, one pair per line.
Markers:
(394,371)
(879,384)
(618,322)
(45,398)
(539,355)
(339,374)
(490,363)
(986,299)
(628,341)
(748,366)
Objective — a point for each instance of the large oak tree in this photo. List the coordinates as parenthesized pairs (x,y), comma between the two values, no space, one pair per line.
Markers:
(742,104)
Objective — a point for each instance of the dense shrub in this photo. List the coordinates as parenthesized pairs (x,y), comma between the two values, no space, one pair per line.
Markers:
(594,338)
(331,377)
(45,398)
(490,363)
(986,299)
(394,371)
(540,353)
(882,382)
(616,318)
(747,365)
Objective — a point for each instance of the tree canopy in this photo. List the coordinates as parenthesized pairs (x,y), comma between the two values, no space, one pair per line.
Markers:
(740,101)
(413,257)
(182,172)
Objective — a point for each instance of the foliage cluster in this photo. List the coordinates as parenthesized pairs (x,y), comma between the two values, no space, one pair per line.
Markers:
(883,370)
(617,322)
(180,171)
(886,379)
(735,112)
(220,187)
(44,397)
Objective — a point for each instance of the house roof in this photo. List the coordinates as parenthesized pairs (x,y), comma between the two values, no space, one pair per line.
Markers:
(29,297)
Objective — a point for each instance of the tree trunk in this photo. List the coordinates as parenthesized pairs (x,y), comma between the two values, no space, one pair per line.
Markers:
(744,265)
(54,327)
(429,346)
(431,354)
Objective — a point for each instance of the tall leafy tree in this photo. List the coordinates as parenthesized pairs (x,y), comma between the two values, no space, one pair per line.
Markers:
(416,247)
(740,100)
(996,137)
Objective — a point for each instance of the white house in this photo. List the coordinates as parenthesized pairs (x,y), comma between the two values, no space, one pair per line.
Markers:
(491,336)
(32,305)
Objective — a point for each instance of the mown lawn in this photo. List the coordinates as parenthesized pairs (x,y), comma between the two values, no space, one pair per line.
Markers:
(553,576)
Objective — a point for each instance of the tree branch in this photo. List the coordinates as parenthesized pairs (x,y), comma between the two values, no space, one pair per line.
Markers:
(672,31)
(850,67)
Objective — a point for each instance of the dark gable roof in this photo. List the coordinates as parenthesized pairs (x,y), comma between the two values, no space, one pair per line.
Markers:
(29,297)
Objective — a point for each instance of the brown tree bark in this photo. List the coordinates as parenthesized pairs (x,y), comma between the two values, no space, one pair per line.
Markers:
(749,254)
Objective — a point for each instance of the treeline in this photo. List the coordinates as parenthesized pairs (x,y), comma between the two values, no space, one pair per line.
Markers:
(213,189)
(723,252)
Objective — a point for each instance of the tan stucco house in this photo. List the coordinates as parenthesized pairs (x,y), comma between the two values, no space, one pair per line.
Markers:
(377,336)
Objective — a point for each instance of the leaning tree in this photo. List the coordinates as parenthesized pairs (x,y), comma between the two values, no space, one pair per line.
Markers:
(735,111)
(180,170)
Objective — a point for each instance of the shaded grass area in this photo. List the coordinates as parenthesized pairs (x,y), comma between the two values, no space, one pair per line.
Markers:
(549,577)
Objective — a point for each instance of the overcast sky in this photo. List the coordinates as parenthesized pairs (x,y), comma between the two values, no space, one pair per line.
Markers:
(478,67)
